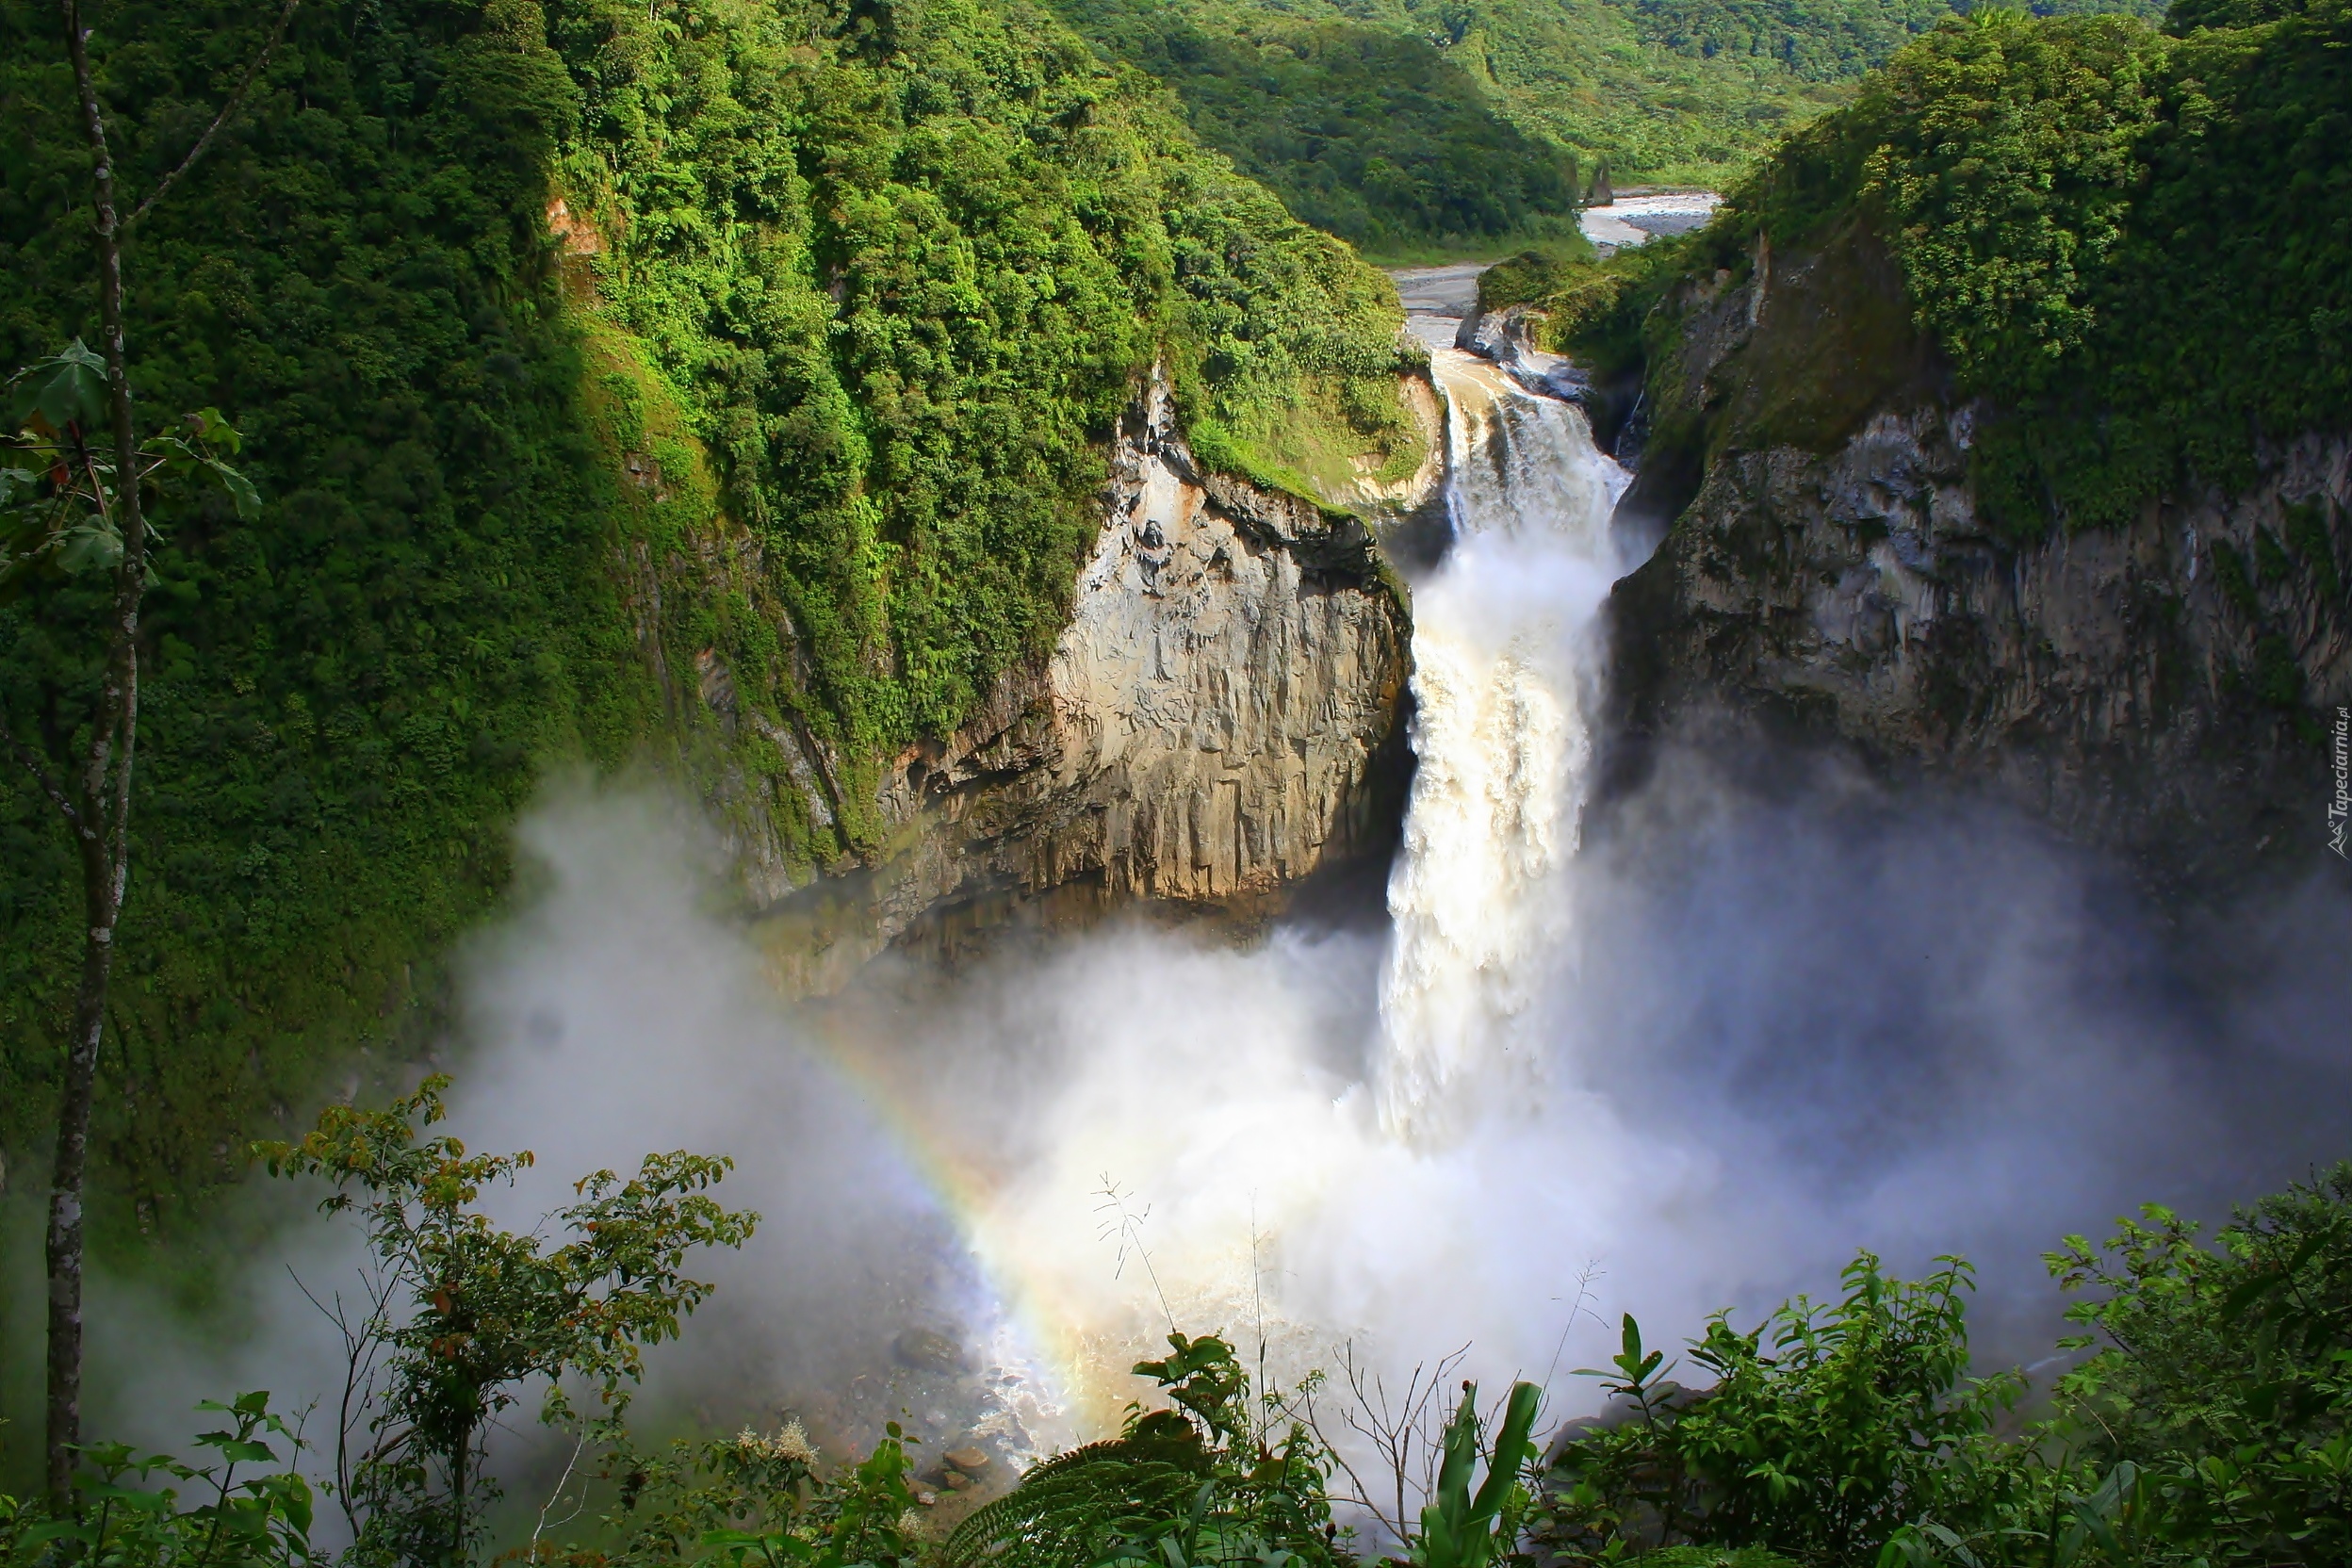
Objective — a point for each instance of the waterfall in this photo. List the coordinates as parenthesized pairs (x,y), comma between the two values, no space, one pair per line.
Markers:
(1504,682)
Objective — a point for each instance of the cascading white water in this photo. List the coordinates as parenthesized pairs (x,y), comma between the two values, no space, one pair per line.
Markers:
(1502,683)
(1285,1193)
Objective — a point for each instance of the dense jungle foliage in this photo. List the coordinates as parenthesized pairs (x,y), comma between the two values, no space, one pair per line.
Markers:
(580,350)
(2202,1419)
(1824,41)
(2137,246)
(1422,128)
(2207,1417)
(1373,134)
(1290,90)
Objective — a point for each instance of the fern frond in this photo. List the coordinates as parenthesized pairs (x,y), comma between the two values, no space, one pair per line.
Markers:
(1067,1510)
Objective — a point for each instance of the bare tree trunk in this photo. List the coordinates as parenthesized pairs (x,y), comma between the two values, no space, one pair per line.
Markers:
(99,813)
(97,805)
(104,817)
(460,1456)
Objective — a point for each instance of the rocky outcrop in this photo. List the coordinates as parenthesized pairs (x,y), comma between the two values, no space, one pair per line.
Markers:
(2166,687)
(1393,503)
(1408,517)
(1509,337)
(1219,719)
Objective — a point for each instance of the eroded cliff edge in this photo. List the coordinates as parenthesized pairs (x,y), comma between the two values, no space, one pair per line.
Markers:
(1221,719)
(2166,687)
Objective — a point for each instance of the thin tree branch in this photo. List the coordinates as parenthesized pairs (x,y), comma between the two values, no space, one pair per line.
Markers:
(1397,1431)
(236,98)
(89,466)
(360,1347)
(49,786)
(1362,1495)
(553,1497)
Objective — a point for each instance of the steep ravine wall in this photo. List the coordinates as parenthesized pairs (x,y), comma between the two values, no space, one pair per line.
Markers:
(1221,719)
(2168,688)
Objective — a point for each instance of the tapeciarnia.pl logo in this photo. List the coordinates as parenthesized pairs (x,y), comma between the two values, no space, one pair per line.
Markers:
(2339,808)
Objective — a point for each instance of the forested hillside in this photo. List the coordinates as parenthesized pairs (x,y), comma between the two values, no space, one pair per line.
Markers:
(1997,427)
(2136,246)
(1412,126)
(560,336)
(1824,40)
(1369,132)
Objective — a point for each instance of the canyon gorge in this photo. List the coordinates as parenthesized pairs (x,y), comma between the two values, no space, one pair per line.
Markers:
(1151,705)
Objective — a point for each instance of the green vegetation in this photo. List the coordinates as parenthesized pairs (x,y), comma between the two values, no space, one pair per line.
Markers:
(902,293)
(571,345)
(1418,129)
(2138,246)
(458,1313)
(1826,40)
(760,1500)
(1375,135)
(1216,1479)
(130,1502)
(2206,1419)
(2211,1422)
(1820,1447)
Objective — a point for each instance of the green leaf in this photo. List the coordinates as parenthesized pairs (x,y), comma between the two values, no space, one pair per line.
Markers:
(737,1543)
(293,1501)
(1953,1544)
(2100,1530)
(214,431)
(242,496)
(70,387)
(243,1451)
(92,547)
(2248,1291)
(1904,1550)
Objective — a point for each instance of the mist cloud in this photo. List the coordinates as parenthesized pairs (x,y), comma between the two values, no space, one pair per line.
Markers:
(1782,1030)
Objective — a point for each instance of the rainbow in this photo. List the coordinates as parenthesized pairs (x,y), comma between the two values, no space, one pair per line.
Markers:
(1086,1370)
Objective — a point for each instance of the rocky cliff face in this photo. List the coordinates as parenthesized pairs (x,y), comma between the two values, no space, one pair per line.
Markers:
(2170,688)
(1221,719)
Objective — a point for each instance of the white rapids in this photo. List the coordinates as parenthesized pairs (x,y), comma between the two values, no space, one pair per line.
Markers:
(1506,670)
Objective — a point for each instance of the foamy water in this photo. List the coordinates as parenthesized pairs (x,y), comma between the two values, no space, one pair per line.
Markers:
(1505,673)
(1303,1195)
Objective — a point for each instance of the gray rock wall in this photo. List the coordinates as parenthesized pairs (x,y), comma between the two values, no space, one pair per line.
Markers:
(2165,687)
(1221,719)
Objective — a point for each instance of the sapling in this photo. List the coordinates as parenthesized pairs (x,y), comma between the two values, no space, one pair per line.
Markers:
(458,1313)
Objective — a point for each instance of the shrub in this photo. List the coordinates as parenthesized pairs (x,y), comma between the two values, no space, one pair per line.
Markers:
(2223,1372)
(1828,1428)
(460,1312)
(260,1522)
